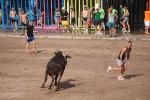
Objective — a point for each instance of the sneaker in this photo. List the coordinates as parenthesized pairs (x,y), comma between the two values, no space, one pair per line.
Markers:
(95,33)
(86,31)
(128,31)
(124,31)
(120,78)
(16,29)
(109,69)
(99,33)
(34,31)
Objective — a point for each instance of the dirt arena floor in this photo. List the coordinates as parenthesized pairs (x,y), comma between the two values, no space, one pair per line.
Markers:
(85,77)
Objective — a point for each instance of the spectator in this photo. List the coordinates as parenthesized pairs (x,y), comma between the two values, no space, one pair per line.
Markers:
(147,20)
(57,18)
(84,16)
(32,17)
(102,15)
(41,19)
(0,16)
(24,21)
(13,16)
(126,20)
(111,21)
(64,17)
(73,24)
(122,13)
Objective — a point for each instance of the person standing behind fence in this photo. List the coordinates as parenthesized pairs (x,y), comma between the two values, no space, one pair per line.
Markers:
(97,21)
(126,20)
(147,20)
(0,17)
(111,21)
(64,17)
(122,13)
(73,23)
(32,17)
(57,19)
(13,16)
(41,19)
(102,15)
(84,17)
(24,21)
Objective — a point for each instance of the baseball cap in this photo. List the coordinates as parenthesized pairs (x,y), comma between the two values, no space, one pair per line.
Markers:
(85,6)
(121,6)
(63,8)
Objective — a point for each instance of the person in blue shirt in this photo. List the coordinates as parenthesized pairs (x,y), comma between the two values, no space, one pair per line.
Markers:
(32,16)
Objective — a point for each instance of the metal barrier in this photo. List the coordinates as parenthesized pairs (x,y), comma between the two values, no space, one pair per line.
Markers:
(48,6)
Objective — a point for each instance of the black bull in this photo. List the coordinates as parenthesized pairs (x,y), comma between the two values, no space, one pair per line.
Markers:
(55,68)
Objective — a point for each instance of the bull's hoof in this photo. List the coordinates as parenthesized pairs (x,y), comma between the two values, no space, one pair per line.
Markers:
(55,84)
(50,88)
(56,90)
(42,86)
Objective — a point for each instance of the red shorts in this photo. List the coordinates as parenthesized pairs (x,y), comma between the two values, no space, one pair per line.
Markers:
(89,22)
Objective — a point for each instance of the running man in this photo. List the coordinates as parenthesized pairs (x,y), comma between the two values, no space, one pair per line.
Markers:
(121,61)
(30,37)
(24,21)
(13,15)
(126,20)
(112,18)
(64,17)
(147,20)
(73,24)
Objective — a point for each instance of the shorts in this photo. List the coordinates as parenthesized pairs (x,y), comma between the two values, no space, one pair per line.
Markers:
(97,22)
(126,19)
(32,20)
(65,23)
(72,21)
(13,20)
(119,62)
(57,20)
(30,39)
(111,24)
(24,23)
(101,20)
(89,22)
(121,19)
(85,19)
(147,23)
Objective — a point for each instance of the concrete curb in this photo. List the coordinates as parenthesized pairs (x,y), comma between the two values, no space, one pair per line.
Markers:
(78,38)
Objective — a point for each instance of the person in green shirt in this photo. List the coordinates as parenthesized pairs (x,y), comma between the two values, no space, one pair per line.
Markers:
(114,10)
(102,15)
(97,21)
(122,13)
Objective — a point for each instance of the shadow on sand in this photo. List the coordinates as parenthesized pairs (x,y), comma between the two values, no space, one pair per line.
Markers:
(39,51)
(132,76)
(66,84)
